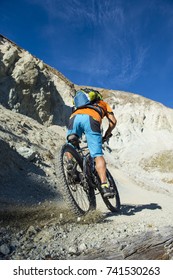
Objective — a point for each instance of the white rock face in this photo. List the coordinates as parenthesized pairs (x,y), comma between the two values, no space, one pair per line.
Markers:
(146,124)
(32,88)
(143,134)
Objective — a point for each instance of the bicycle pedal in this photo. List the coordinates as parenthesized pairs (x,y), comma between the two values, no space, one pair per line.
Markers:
(108,195)
(111,196)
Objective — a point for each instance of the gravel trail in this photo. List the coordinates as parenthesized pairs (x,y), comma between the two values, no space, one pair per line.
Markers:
(48,232)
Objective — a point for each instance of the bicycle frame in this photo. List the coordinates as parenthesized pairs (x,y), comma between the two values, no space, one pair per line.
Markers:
(91,176)
(89,170)
(84,158)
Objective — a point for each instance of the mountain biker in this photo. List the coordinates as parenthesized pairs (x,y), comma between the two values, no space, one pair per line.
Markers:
(88,120)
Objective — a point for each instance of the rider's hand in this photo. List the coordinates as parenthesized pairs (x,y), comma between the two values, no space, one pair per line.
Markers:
(106,137)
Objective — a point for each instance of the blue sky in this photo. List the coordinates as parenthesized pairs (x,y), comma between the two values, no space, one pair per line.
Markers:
(115,44)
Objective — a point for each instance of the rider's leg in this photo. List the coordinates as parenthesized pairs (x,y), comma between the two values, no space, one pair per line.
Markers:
(101,168)
(94,140)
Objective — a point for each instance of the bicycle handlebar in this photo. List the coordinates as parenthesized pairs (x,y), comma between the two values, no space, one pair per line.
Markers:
(106,139)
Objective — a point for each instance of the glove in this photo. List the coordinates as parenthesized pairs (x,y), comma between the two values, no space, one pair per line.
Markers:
(106,138)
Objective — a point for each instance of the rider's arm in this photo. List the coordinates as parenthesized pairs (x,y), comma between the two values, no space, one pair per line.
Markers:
(112,123)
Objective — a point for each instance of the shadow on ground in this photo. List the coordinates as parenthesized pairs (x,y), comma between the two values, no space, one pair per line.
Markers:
(129,210)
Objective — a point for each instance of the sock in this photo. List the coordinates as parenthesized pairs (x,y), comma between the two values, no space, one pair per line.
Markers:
(104,185)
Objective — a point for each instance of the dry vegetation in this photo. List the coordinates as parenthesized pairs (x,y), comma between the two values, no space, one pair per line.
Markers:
(161,162)
(168,181)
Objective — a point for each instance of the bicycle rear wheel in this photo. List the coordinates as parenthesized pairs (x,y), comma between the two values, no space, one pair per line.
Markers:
(113,204)
(79,196)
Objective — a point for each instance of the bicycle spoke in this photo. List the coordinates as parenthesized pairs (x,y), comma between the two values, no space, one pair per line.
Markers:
(80,197)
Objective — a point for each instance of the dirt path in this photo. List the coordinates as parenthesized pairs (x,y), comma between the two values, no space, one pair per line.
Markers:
(155,209)
(134,233)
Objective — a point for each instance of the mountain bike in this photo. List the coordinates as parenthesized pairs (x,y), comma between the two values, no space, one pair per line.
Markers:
(80,185)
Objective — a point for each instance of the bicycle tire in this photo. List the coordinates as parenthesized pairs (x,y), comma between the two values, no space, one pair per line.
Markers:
(80,201)
(113,204)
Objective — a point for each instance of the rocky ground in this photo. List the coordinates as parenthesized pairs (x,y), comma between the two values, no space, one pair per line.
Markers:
(46,234)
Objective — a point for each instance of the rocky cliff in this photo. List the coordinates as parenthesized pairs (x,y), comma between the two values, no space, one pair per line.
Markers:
(35,105)
(30,87)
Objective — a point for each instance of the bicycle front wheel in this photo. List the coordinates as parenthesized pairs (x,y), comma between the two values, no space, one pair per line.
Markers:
(78,195)
(113,204)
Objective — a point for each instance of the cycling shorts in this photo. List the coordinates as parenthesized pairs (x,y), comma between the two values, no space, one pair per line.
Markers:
(84,123)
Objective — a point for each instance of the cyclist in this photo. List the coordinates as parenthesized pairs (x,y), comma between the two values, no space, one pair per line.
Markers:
(88,120)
